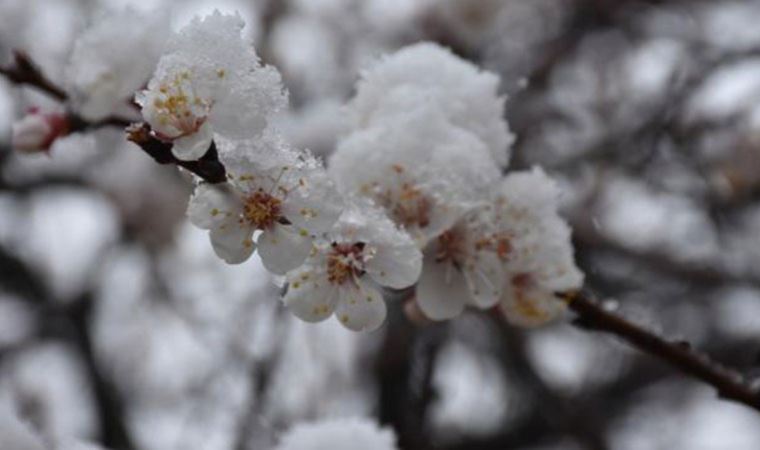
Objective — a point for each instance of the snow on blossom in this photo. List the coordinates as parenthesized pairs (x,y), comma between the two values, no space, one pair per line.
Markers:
(423,172)
(338,434)
(210,81)
(540,260)
(282,193)
(362,250)
(113,58)
(428,74)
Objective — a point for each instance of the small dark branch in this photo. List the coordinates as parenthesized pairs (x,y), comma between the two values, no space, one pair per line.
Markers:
(79,124)
(111,408)
(70,322)
(729,383)
(25,71)
(208,167)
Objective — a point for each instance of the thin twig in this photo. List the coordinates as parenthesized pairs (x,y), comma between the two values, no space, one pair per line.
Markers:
(207,167)
(25,71)
(729,383)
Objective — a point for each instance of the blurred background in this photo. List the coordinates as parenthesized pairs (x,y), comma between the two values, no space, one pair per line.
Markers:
(119,325)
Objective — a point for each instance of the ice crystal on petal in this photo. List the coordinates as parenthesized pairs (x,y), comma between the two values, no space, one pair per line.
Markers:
(210,80)
(362,250)
(338,434)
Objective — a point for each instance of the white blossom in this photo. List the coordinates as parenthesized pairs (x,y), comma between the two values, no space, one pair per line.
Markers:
(210,81)
(284,194)
(37,131)
(423,172)
(540,262)
(428,74)
(113,58)
(338,434)
(514,250)
(364,249)
(464,265)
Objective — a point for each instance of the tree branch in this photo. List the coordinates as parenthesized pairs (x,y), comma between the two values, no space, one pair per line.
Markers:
(25,71)
(70,322)
(729,383)
(207,167)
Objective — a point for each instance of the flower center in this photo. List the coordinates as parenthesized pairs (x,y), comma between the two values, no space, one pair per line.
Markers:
(178,107)
(262,210)
(405,202)
(344,262)
(501,244)
(450,247)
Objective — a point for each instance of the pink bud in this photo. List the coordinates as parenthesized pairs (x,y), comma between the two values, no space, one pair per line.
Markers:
(37,131)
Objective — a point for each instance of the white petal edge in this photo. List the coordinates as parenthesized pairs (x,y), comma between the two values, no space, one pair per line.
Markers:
(211,206)
(192,147)
(396,267)
(283,248)
(361,307)
(316,210)
(232,242)
(310,297)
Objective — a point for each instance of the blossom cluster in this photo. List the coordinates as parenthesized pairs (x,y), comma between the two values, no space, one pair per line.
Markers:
(413,199)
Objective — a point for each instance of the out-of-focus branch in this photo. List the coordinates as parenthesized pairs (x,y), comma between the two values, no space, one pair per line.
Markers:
(405,368)
(77,123)
(70,322)
(729,383)
(555,409)
(25,71)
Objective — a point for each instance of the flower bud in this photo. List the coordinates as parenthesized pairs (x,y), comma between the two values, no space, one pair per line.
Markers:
(37,131)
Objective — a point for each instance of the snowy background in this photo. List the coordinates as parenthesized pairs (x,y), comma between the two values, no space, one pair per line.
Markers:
(119,325)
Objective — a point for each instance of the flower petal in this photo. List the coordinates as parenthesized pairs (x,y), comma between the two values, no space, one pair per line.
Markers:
(310,297)
(316,205)
(396,267)
(232,242)
(529,305)
(192,147)
(485,278)
(442,291)
(361,308)
(283,248)
(211,206)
